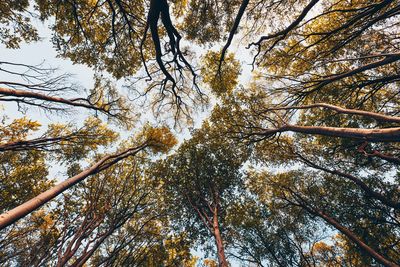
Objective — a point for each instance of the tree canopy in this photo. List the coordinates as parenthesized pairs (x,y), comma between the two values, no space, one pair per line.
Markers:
(214,133)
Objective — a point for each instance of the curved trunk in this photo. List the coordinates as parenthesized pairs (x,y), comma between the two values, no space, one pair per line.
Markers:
(378,257)
(347,232)
(26,208)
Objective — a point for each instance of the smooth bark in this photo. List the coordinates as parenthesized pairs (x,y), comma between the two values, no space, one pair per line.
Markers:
(373,115)
(38,96)
(349,234)
(26,208)
(219,242)
(372,135)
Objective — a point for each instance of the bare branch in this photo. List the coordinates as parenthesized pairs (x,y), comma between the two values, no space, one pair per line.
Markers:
(232,32)
(370,114)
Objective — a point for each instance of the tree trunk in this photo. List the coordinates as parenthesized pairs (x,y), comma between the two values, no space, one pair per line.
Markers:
(378,257)
(349,234)
(219,242)
(26,208)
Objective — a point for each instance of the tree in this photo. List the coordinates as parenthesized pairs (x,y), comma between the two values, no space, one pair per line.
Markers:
(16,24)
(223,78)
(158,140)
(203,177)
(121,46)
(348,92)
(41,87)
(63,143)
(112,219)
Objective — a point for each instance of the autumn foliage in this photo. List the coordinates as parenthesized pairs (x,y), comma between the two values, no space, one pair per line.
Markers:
(215,133)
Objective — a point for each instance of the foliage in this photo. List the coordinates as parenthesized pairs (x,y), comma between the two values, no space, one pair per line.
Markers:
(16,24)
(299,167)
(222,81)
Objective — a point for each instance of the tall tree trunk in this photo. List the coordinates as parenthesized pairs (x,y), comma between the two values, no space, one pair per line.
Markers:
(348,233)
(219,242)
(378,257)
(24,209)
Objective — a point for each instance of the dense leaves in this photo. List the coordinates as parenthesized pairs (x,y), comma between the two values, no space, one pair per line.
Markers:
(297,165)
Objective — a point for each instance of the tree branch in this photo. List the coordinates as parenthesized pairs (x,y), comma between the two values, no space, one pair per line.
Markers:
(24,209)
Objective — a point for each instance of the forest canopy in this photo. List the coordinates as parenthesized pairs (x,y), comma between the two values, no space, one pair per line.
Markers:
(214,133)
